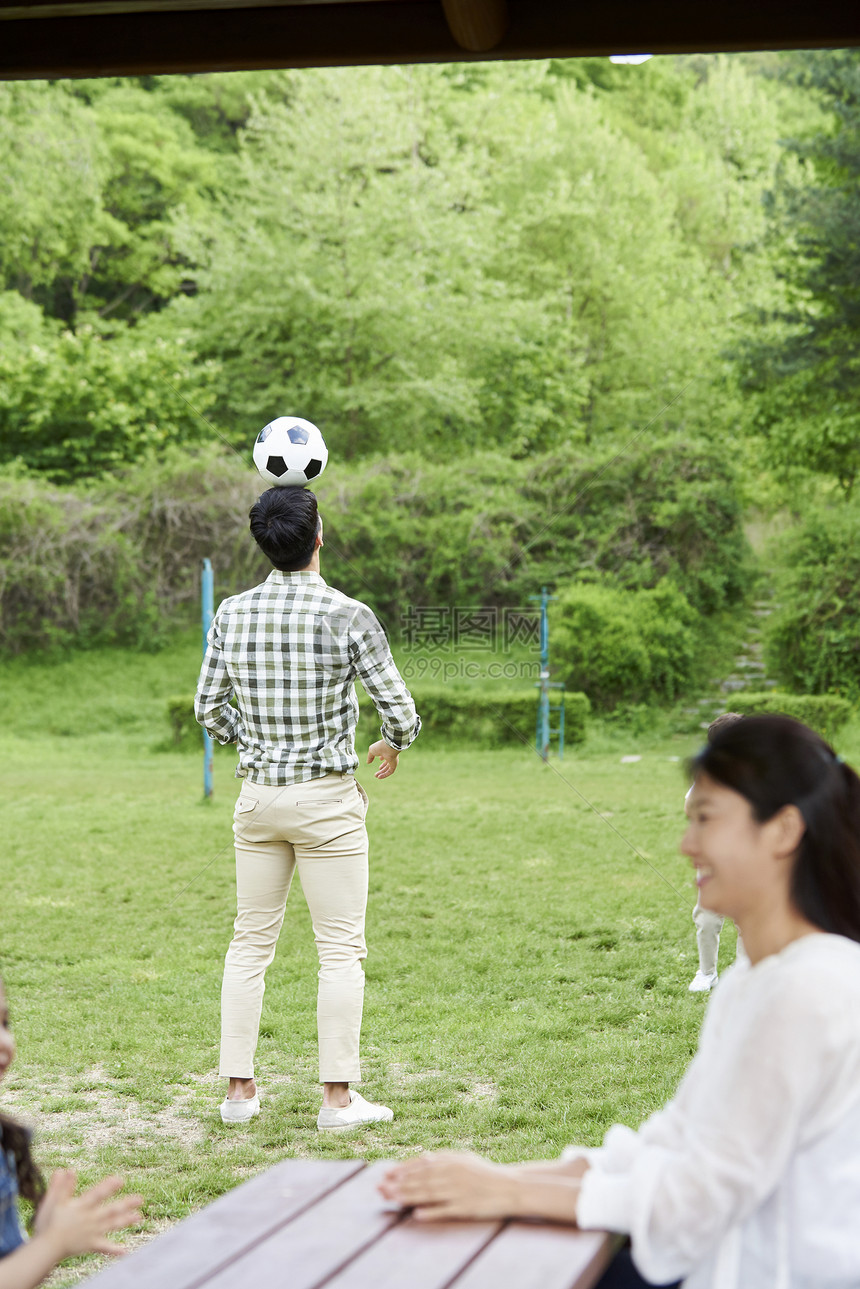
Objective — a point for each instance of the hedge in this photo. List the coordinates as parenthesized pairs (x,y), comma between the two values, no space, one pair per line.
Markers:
(481,718)
(825,713)
(485,718)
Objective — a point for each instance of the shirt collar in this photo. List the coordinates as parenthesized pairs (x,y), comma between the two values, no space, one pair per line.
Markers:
(278,578)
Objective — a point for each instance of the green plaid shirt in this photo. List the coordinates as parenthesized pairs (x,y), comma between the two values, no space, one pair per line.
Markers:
(289,652)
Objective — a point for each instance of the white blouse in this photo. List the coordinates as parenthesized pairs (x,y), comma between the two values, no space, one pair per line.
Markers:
(750,1177)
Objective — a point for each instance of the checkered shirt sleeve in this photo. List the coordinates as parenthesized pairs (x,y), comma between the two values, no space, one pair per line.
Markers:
(381,679)
(288,653)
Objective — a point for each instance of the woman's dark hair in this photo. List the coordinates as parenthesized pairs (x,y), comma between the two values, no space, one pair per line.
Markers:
(284,524)
(15,1138)
(774,761)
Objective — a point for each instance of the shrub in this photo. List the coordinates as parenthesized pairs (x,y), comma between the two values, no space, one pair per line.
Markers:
(77,404)
(484,718)
(400,533)
(68,572)
(826,713)
(813,641)
(625,646)
(665,509)
(120,565)
(492,530)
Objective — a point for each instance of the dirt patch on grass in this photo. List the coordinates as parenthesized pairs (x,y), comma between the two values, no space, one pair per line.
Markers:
(89,1109)
(480,1092)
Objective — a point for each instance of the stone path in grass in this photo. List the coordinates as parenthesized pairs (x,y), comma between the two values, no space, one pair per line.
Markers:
(748,674)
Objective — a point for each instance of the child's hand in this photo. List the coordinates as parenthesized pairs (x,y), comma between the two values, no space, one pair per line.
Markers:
(81,1225)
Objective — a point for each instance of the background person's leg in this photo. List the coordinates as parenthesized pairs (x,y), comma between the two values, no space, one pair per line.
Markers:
(708,927)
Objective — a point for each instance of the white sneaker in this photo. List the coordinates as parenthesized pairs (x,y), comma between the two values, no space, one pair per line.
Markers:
(239,1111)
(351,1116)
(700,984)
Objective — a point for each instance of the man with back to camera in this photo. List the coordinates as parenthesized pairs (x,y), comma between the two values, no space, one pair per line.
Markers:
(289,651)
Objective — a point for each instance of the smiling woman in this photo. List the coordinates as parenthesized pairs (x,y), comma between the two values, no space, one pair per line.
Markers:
(750,1176)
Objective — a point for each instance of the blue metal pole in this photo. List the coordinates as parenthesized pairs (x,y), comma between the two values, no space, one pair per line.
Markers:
(542,740)
(207,588)
(544,675)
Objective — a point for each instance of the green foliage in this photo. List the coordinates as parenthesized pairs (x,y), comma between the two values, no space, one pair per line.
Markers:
(813,641)
(67,573)
(826,713)
(346,277)
(185,733)
(667,508)
(96,197)
(98,567)
(421,279)
(432,259)
(74,405)
(804,372)
(156,181)
(400,533)
(625,646)
(592,245)
(403,531)
(485,718)
(50,204)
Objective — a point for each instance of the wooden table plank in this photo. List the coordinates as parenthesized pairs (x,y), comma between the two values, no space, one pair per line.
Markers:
(417,1255)
(319,1242)
(536,1256)
(212,1239)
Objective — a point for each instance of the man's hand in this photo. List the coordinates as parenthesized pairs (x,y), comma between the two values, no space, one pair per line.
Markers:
(388,756)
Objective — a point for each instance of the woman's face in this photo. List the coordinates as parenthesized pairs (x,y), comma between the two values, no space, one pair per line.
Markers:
(7,1042)
(739,862)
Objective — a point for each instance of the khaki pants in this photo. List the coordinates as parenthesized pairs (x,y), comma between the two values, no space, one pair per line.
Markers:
(317,827)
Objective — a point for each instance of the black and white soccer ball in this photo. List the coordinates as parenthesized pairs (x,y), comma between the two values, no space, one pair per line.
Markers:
(290,452)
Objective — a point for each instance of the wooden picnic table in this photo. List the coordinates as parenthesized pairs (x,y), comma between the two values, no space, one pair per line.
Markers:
(308,1223)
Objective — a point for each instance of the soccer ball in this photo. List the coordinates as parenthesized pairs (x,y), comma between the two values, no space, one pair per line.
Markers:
(289,452)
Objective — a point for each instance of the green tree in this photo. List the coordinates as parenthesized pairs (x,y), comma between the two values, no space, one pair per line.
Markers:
(97,198)
(813,638)
(156,181)
(50,200)
(77,404)
(346,279)
(806,373)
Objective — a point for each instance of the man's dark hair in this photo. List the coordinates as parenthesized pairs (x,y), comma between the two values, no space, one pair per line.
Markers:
(284,524)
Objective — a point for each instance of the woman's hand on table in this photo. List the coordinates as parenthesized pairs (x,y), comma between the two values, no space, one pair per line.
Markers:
(452,1184)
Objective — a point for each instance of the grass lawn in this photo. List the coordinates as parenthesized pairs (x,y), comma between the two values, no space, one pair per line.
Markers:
(527,974)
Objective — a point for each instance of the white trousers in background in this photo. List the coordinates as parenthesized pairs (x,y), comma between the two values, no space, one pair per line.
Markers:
(708,928)
(318,828)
